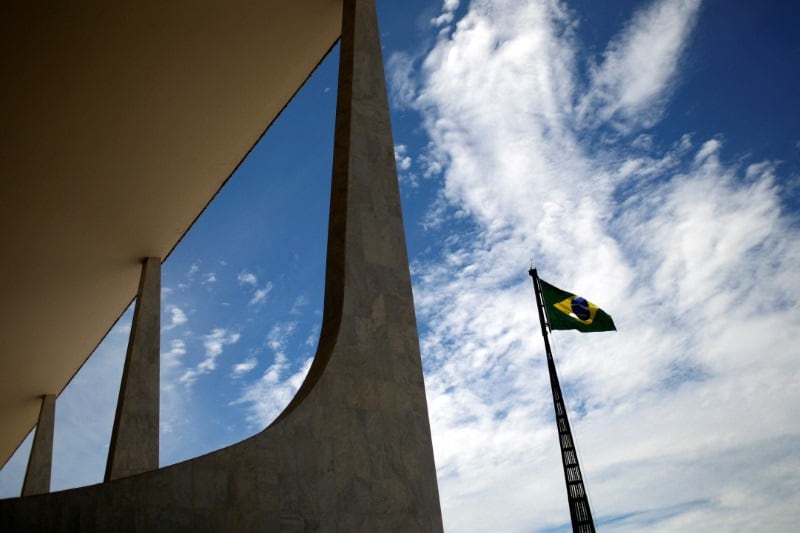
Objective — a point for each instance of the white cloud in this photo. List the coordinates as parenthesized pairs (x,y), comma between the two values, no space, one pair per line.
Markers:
(189,376)
(176,317)
(403,161)
(214,344)
(691,255)
(209,278)
(442,20)
(399,71)
(260,295)
(268,396)
(274,390)
(240,369)
(641,64)
(247,278)
(190,275)
(313,337)
(447,15)
(279,336)
(177,349)
(217,339)
(299,303)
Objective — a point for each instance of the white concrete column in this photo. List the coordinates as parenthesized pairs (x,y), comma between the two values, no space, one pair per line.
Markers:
(37,475)
(134,439)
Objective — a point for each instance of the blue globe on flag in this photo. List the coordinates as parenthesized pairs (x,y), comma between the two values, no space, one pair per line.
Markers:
(580,307)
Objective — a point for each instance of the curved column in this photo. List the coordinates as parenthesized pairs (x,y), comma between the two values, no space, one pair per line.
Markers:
(352,451)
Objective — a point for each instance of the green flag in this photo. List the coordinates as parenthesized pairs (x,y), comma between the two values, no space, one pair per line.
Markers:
(568,311)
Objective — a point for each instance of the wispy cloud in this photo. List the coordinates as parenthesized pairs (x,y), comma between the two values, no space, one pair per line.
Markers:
(214,343)
(313,336)
(403,161)
(176,317)
(259,295)
(279,336)
(686,250)
(299,303)
(240,369)
(172,358)
(641,65)
(266,397)
(247,278)
(446,17)
(399,70)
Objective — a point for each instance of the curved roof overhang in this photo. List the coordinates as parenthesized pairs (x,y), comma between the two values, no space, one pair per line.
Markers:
(120,123)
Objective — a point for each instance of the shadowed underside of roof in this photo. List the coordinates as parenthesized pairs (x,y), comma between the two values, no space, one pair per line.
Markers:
(120,123)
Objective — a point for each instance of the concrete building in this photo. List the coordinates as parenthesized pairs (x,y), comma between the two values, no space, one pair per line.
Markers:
(120,125)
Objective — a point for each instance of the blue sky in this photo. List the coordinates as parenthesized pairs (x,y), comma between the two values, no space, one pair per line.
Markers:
(643,153)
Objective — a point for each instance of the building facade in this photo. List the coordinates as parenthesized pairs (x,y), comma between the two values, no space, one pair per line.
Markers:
(352,451)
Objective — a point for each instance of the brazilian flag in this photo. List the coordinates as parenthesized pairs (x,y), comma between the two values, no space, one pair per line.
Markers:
(568,311)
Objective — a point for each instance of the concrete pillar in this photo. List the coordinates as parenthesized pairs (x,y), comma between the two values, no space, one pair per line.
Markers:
(134,439)
(372,390)
(37,475)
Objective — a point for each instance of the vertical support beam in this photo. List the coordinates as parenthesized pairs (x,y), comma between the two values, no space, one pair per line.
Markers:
(134,439)
(37,475)
(377,343)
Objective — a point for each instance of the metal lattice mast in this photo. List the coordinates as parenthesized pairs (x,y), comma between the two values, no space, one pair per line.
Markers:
(579,511)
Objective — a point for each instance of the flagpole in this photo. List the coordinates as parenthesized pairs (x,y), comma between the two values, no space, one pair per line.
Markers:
(579,511)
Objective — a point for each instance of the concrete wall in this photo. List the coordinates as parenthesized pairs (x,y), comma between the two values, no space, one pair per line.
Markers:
(352,451)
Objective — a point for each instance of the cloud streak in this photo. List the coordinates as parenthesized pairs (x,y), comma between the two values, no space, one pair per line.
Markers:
(690,253)
(259,295)
(176,318)
(244,367)
(214,344)
(266,397)
(640,65)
